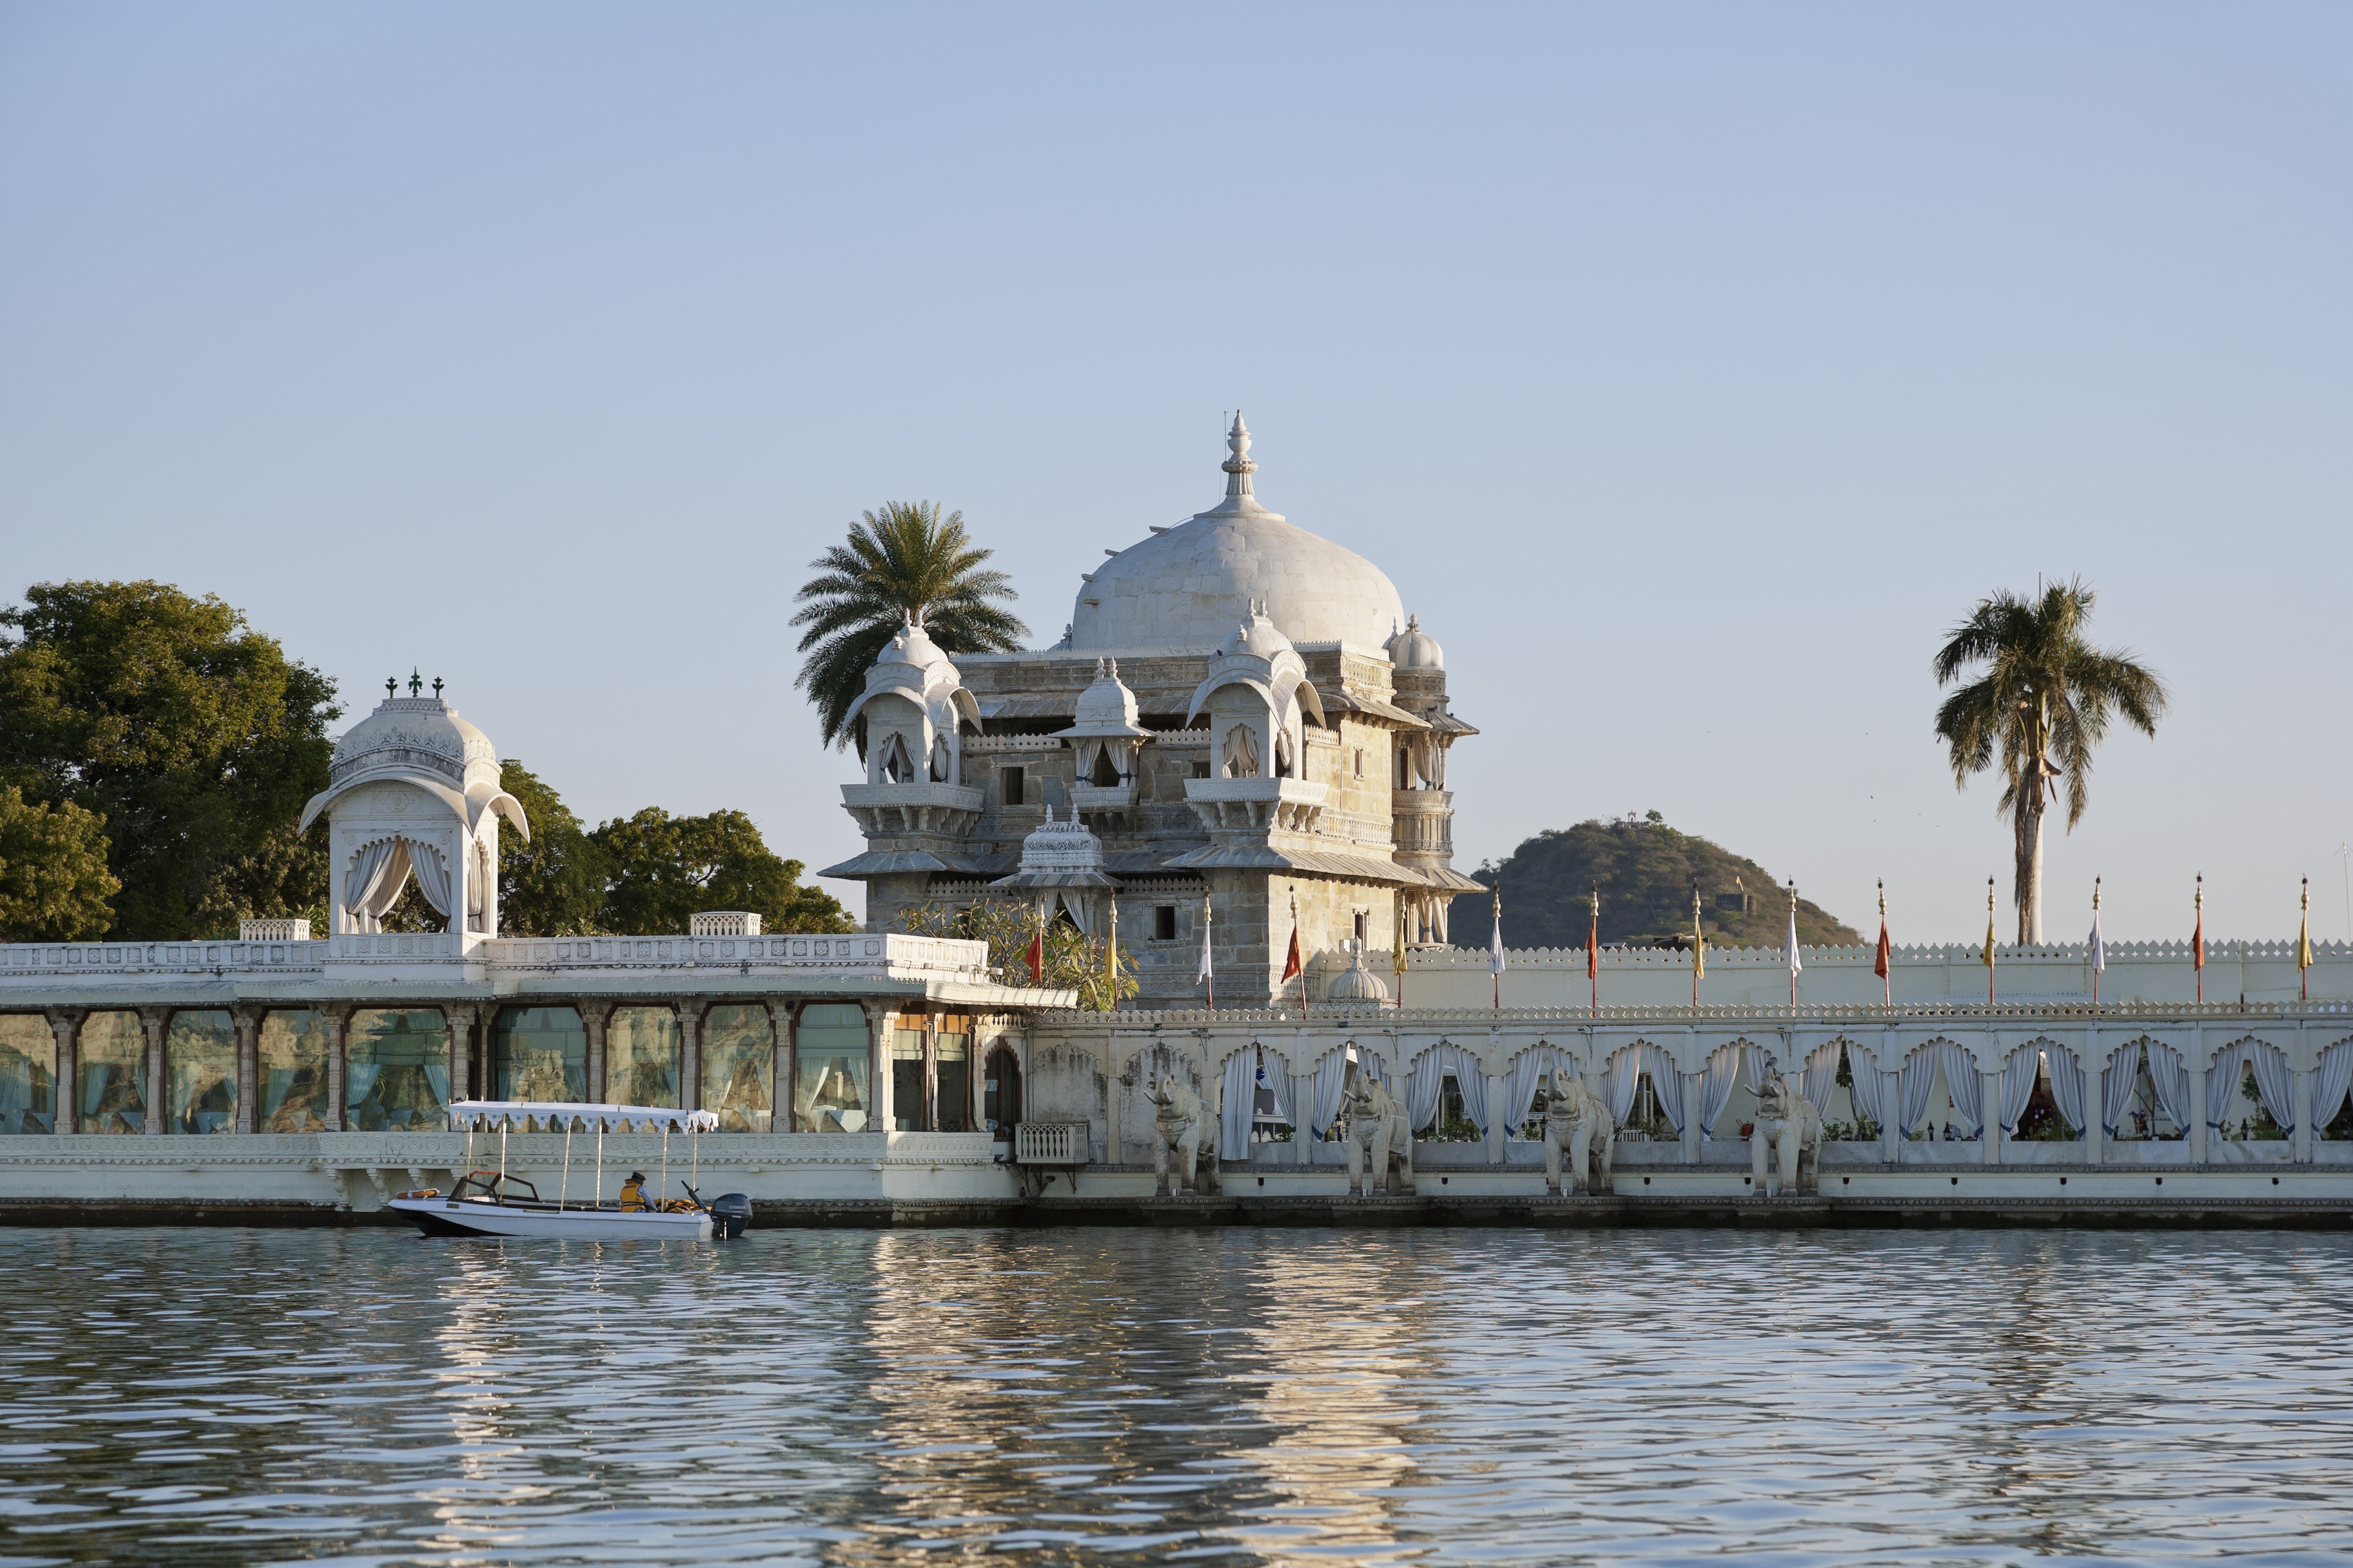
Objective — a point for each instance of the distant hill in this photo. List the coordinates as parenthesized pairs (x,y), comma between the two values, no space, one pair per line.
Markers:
(1645,868)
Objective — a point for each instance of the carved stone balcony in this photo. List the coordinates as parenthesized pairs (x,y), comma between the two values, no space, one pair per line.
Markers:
(1256,805)
(939,810)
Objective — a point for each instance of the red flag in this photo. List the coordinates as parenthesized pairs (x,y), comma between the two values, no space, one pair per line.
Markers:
(1291,965)
(1036,954)
(1593,946)
(1879,965)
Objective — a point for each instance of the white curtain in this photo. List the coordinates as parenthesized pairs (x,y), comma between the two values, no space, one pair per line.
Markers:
(2170,1076)
(1912,1084)
(2067,1087)
(1234,1106)
(2276,1083)
(478,898)
(1821,1075)
(2018,1075)
(377,875)
(2121,1083)
(1532,1070)
(2330,1081)
(2222,1084)
(1962,1084)
(1471,1079)
(1668,1083)
(1077,906)
(1864,1068)
(1625,1073)
(1725,1069)
(432,877)
(1423,1086)
(1331,1073)
(1276,1076)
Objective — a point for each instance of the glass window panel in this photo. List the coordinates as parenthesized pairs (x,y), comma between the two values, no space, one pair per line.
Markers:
(739,1067)
(641,1057)
(397,1071)
(29,1074)
(953,1113)
(831,1068)
(539,1052)
(908,1101)
(293,1063)
(111,1065)
(200,1073)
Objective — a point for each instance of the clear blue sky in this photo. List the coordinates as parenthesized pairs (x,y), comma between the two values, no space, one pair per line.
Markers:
(1689,367)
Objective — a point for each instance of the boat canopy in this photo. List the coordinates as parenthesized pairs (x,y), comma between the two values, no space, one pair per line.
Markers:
(519,1114)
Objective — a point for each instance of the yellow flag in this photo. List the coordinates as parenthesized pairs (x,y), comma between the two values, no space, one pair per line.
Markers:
(2303,940)
(1699,942)
(1397,961)
(1988,958)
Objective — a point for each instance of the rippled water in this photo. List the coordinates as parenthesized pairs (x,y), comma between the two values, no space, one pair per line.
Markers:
(201,1396)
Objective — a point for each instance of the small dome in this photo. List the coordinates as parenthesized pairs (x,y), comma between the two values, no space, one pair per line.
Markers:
(1108,704)
(1255,635)
(1357,983)
(415,731)
(1414,649)
(911,659)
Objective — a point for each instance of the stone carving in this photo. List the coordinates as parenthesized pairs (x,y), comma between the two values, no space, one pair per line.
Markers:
(1182,1137)
(1377,1134)
(1789,1128)
(1578,1129)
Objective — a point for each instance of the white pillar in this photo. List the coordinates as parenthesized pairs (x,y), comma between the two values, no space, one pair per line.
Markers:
(2302,1102)
(2096,1098)
(1990,1107)
(1891,1112)
(2197,1100)
(1496,1131)
(1692,1081)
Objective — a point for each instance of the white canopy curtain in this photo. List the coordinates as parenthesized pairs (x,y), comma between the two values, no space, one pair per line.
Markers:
(2118,1084)
(1626,1070)
(478,902)
(2067,1087)
(2274,1084)
(1532,1070)
(1914,1082)
(1428,1081)
(1821,1074)
(1738,1062)
(1234,1104)
(2332,1078)
(1862,1067)
(2018,1075)
(2170,1074)
(1331,1078)
(432,875)
(378,872)
(1961,1085)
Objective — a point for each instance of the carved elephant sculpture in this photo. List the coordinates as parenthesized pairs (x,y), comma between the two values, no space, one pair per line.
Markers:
(1789,1129)
(1376,1136)
(1578,1132)
(1184,1143)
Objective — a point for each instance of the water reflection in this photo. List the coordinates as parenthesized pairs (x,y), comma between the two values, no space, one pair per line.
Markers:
(1089,1395)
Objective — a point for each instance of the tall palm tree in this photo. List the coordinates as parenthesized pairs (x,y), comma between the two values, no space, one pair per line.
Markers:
(2044,701)
(908,563)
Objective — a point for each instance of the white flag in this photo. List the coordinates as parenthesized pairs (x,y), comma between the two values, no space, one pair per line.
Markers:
(1203,977)
(2099,947)
(1794,965)
(1496,943)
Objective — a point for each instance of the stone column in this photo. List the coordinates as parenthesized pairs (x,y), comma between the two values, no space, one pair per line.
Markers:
(1990,1108)
(65,1023)
(1496,1131)
(1692,1082)
(2302,1105)
(331,1021)
(878,1071)
(688,1010)
(2096,1101)
(154,1020)
(594,1016)
(782,1067)
(459,1016)
(2197,1100)
(1891,1113)
(247,1023)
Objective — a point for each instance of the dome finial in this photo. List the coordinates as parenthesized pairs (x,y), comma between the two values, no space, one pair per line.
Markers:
(1238,467)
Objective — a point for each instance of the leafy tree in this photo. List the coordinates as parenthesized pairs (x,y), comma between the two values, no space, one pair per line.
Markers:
(1071,959)
(54,884)
(661,868)
(193,737)
(907,563)
(1645,869)
(554,885)
(2045,701)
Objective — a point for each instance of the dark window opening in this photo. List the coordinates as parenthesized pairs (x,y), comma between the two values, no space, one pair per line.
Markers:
(1364,926)
(1013,780)
(1164,922)
(1106,772)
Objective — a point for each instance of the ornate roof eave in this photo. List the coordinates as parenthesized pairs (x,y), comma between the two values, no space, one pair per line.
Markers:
(469,807)
(929,699)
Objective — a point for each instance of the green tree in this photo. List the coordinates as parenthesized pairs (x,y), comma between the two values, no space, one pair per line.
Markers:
(907,563)
(1645,869)
(554,885)
(54,884)
(193,736)
(1072,960)
(2045,701)
(661,868)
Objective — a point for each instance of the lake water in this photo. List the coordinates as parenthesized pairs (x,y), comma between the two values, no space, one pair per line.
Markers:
(1099,1395)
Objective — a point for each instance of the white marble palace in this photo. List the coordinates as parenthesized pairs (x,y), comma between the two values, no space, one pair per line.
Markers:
(1240,718)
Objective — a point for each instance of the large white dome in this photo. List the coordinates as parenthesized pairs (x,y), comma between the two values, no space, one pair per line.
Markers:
(1191,586)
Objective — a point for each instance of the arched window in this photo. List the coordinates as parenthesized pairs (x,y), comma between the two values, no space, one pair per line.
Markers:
(29,1074)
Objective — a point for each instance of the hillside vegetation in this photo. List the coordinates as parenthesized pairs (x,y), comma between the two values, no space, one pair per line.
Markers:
(1645,868)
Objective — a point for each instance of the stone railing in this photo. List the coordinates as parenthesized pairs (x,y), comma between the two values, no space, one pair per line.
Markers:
(273,930)
(37,964)
(1049,1144)
(862,950)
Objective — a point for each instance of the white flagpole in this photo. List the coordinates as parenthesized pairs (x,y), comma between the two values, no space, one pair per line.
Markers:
(1795,965)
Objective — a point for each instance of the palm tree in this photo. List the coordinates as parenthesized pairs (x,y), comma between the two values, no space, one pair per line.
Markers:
(909,563)
(2045,701)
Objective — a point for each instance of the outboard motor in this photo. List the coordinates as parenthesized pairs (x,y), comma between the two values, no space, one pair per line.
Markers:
(730,1216)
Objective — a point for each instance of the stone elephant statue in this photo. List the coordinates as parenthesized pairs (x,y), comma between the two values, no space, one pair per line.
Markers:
(1788,1128)
(1184,1141)
(1579,1131)
(1377,1135)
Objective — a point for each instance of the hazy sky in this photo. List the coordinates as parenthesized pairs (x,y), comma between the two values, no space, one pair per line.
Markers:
(1690,368)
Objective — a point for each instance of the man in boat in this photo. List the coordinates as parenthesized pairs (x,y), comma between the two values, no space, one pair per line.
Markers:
(633,1193)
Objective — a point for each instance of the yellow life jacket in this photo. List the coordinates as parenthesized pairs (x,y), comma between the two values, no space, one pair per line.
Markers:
(633,1197)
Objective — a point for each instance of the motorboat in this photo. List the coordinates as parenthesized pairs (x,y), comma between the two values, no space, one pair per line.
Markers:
(494,1203)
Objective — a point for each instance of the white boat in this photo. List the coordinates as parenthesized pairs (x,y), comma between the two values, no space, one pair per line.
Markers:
(492,1203)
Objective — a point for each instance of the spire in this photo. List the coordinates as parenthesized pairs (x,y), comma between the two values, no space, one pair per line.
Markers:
(1238,468)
